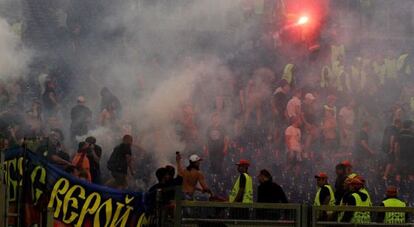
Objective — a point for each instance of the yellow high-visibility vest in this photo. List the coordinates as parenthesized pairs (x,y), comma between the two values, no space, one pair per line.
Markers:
(248,190)
(331,194)
(361,217)
(394,217)
(365,191)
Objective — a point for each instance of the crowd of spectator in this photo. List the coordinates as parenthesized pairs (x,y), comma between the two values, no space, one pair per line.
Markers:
(292,132)
(288,127)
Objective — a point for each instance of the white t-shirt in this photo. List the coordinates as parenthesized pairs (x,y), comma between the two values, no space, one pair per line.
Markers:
(293,106)
(347,115)
(294,134)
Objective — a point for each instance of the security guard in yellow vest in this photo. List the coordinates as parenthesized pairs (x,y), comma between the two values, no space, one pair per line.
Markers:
(391,200)
(363,189)
(324,196)
(356,198)
(242,191)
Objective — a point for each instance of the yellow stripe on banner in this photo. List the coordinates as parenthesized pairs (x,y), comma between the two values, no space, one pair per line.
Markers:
(143,220)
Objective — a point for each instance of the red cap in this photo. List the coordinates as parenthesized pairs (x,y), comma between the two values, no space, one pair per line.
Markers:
(346,163)
(243,162)
(322,175)
(356,181)
(392,191)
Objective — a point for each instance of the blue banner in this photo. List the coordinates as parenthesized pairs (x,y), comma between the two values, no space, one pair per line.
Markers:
(74,201)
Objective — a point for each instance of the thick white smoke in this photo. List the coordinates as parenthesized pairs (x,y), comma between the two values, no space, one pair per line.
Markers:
(166,52)
(14,57)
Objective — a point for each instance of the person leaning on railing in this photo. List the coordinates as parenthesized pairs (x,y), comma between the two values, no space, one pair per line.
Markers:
(392,200)
(269,192)
(192,176)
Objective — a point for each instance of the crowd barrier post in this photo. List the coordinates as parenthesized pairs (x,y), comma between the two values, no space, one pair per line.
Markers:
(298,218)
(178,208)
(305,209)
(314,213)
(3,195)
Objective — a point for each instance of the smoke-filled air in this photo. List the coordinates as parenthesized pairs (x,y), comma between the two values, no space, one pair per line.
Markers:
(288,89)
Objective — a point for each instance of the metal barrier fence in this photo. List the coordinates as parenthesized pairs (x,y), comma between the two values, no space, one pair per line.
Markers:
(206,213)
(375,219)
(210,213)
(190,213)
(183,213)
(199,213)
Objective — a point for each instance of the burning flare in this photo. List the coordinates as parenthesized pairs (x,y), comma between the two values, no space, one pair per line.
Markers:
(303,20)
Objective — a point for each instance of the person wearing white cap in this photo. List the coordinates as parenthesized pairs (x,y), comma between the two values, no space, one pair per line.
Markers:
(81,116)
(191,176)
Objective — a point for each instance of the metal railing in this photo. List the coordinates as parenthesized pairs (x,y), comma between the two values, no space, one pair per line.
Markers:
(374,211)
(183,213)
(206,213)
(240,214)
